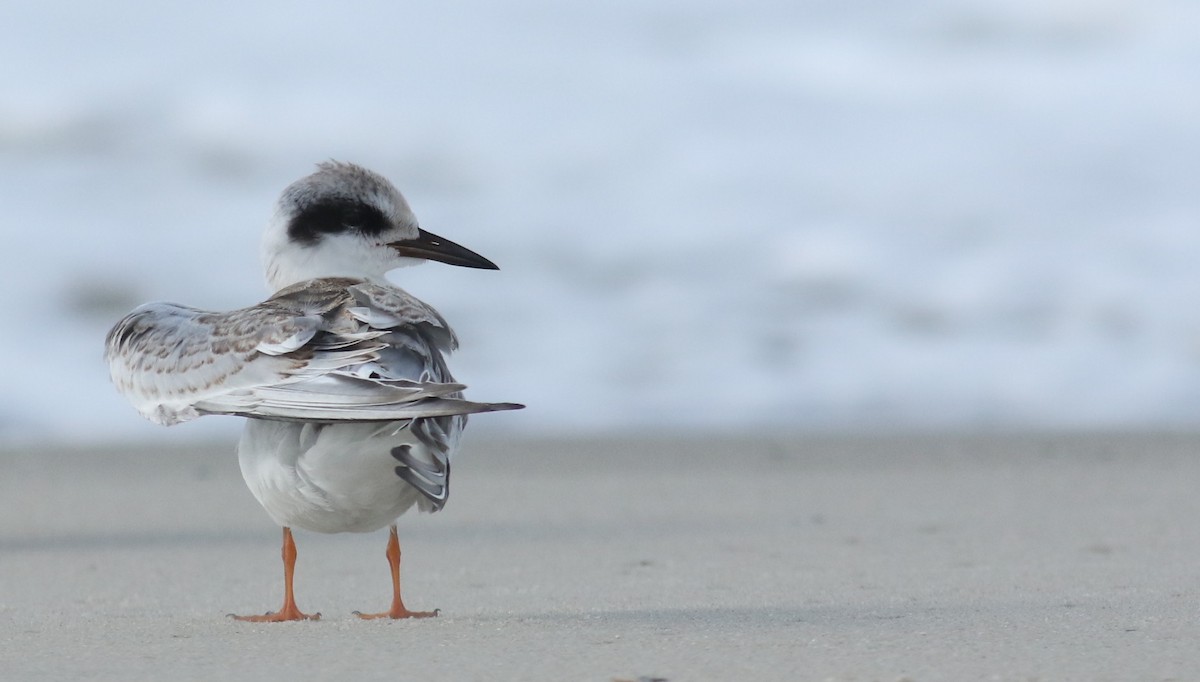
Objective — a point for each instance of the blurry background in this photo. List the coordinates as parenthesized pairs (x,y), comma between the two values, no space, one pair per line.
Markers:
(720,215)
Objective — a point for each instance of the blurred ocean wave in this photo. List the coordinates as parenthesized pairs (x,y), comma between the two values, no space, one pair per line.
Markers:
(718,215)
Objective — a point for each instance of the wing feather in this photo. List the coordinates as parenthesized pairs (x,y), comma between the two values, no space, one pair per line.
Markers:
(326,350)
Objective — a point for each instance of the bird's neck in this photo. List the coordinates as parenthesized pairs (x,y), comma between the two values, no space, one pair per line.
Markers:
(283,269)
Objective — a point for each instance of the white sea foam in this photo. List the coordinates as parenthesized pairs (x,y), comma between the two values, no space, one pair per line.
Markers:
(711,215)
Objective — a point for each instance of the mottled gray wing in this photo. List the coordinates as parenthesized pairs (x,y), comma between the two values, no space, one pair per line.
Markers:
(165,358)
(323,351)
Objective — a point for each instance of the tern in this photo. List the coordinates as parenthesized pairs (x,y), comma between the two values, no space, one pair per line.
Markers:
(352,416)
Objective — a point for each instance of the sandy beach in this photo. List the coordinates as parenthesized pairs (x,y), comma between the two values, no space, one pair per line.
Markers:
(1000,557)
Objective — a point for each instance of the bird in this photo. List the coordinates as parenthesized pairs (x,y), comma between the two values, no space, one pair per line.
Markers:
(352,416)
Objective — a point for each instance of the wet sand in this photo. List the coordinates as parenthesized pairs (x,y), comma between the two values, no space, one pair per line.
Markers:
(1000,557)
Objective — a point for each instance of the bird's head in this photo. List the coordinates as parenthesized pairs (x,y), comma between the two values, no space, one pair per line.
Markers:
(347,221)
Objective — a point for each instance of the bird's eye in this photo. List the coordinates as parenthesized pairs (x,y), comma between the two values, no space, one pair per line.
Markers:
(334,216)
(365,219)
(354,217)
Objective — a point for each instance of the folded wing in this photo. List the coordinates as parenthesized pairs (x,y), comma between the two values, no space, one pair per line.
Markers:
(326,350)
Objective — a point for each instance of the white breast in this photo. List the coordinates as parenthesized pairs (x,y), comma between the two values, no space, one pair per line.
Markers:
(334,478)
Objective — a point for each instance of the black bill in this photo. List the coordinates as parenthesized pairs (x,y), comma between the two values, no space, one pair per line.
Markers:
(429,246)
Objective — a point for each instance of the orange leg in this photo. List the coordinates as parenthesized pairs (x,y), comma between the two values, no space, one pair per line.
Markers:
(397,610)
(289,610)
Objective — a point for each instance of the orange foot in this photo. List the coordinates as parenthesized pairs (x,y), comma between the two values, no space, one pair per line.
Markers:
(398,610)
(279,616)
(397,614)
(289,610)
